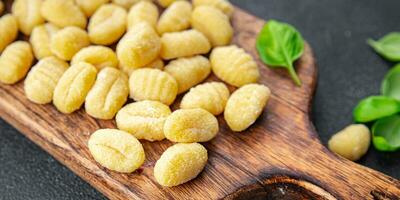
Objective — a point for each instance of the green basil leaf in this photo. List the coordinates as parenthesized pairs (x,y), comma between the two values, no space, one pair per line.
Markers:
(386,133)
(375,107)
(391,83)
(279,45)
(388,46)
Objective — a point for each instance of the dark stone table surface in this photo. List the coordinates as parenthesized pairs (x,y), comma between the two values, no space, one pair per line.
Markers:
(348,71)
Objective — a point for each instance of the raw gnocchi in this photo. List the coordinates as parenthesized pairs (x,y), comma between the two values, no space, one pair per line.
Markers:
(224,5)
(175,18)
(166,3)
(127,3)
(63,13)
(144,11)
(153,84)
(43,78)
(40,40)
(180,163)
(156,64)
(73,86)
(245,105)
(89,7)
(28,14)
(183,44)
(107,24)
(8,30)
(144,119)
(68,41)
(116,150)
(98,56)
(188,72)
(15,62)
(213,23)
(210,96)
(191,125)
(234,66)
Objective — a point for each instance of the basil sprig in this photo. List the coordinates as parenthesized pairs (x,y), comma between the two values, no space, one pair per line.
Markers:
(386,133)
(388,46)
(375,107)
(391,83)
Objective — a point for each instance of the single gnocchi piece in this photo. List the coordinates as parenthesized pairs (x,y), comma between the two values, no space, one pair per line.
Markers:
(73,86)
(175,18)
(63,13)
(224,5)
(153,84)
(144,119)
(89,7)
(183,44)
(210,96)
(107,25)
(189,72)
(191,125)
(139,47)
(155,64)
(234,66)
(8,30)
(116,150)
(180,163)
(166,3)
(98,56)
(245,105)
(40,40)
(214,24)
(127,3)
(42,79)
(144,11)
(15,62)
(28,14)
(68,41)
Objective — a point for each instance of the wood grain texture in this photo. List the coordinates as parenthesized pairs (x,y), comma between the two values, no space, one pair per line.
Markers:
(281,150)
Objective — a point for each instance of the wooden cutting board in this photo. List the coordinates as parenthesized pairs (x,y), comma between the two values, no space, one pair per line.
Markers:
(279,157)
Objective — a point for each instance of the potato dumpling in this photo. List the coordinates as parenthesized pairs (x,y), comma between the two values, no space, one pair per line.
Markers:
(166,3)
(68,41)
(89,7)
(127,3)
(144,11)
(40,39)
(155,64)
(175,18)
(28,14)
(224,5)
(98,56)
(8,30)
(15,62)
(63,13)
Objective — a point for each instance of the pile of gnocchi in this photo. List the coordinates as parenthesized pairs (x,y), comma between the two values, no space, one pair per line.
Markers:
(98,53)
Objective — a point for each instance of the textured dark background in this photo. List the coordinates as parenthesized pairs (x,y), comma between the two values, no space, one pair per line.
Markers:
(348,71)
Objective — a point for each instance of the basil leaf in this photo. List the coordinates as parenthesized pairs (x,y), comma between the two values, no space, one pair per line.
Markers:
(279,45)
(388,46)
(386,133)
(375,107)
(391,83)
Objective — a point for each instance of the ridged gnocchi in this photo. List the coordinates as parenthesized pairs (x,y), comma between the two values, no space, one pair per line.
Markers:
(156,64)
(191,125)
(153,84)
(28,14)
(89,7)
(144,119)
(210,96)
(189,71)
(139,47)
(213,23)
(116,150)
(42,79)
(40,39)
(144,11)
(175,18)
(98,56)
(180,163)
(127,3)
(183,44)
(234,66)
(245,105)
(68,41)
(8,30)
(224,5)
(166,3)
(107,24)
(63,13)
(108,94)
(73,86)
(15,62)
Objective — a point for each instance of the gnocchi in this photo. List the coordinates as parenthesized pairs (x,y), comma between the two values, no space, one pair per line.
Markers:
(15,62)
(245,105)
(191,125)
(89,7)
(42,79)
(108,94)
(166,3)
(213,23)
(188,72)
(28,14)
(234,66)
(153,84)
(156,64)
(180,163)
(210,96)
(183,44)
(107,24)
(73,86)
(98,56)
(175,18)
(63,13)
(144,119)
(127,3)
(144,11)
(8,30)
(224,5)
(40,40)
(116,150)
(68,41)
